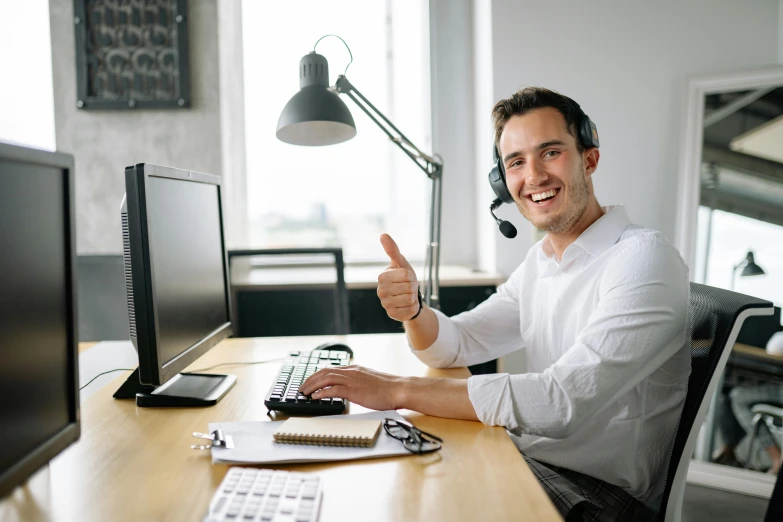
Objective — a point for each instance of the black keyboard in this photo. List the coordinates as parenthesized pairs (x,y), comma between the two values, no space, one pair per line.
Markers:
(284,393)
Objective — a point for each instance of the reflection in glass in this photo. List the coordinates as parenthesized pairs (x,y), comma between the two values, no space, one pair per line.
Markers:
(740,222)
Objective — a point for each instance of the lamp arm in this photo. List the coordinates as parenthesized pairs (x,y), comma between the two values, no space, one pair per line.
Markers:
(431,166)
(428,164)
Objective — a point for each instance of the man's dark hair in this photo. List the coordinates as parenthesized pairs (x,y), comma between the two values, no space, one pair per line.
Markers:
(529,98)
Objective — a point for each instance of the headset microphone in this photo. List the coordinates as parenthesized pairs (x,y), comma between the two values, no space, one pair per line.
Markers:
(506,228)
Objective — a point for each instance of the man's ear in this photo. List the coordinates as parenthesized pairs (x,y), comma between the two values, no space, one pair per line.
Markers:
(590,159)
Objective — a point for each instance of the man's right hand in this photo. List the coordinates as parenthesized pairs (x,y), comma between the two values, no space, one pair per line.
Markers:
(398,287)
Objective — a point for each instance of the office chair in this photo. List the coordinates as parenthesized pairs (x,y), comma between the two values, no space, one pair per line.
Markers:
(775,506)
(101,298)
(716,318)
(292,311)
(772,417)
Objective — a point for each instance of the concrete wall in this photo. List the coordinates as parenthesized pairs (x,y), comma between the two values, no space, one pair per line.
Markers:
(105,142)
(627,64)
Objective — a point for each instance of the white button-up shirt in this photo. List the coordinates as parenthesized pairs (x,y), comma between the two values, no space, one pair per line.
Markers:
(607,351)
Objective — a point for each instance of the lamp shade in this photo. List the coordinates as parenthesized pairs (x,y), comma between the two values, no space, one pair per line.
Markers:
(315,115)
(751,268)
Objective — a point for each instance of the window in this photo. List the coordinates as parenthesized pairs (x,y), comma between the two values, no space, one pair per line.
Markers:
(732,237)
(26,98)
(348,194)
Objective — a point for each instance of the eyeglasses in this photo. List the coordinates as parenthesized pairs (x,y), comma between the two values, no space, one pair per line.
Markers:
(414,440)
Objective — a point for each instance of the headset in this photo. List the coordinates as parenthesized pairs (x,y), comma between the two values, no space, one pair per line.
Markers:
(587,134)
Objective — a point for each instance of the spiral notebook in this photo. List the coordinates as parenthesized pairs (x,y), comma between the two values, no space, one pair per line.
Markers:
(329,432)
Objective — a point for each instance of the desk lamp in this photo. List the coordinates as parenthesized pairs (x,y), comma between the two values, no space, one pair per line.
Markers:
(750,269)
(317,116)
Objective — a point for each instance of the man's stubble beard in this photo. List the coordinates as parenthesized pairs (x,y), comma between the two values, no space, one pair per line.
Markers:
(562,222)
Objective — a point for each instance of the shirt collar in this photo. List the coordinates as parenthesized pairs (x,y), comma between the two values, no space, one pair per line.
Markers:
(605,231)
(599,236)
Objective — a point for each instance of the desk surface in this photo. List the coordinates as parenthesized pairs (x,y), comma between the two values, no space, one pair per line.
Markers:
(755,363)
(356,277)
(136,464)
(757,353)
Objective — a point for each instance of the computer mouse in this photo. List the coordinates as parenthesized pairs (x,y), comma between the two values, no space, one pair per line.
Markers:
(337,347)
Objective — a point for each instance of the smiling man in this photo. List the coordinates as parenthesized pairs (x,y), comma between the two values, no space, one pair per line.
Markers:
(599,307)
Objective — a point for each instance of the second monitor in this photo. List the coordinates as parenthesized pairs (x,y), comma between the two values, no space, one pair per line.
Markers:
(177,283)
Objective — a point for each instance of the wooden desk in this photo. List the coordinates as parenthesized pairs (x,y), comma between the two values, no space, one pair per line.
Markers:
(268,300)
(362,276)
(756,361)
(83,347)
(136,464)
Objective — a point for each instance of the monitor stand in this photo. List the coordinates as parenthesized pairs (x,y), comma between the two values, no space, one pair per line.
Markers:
(184,389)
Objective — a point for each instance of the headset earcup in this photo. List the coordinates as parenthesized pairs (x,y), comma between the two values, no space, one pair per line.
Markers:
(588,133)
(498,183)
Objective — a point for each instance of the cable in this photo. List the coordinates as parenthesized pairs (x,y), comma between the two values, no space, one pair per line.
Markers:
(104,373)
(346,46)
(237,364)
(191,371)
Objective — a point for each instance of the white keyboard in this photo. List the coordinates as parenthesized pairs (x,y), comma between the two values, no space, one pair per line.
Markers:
(251,495)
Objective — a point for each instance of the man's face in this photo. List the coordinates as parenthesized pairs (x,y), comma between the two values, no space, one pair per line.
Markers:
(545,173)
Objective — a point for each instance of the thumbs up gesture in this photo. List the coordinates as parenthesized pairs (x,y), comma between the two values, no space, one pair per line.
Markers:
(398,288)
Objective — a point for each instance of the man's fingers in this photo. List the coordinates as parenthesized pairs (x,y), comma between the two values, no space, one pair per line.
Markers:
(391,249)
(406,312)
(395,289)
(321,379)
(396,275)
(400,301)
(332,391)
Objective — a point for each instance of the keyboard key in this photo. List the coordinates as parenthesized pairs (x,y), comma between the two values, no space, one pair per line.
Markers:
(283,499)
(220,504)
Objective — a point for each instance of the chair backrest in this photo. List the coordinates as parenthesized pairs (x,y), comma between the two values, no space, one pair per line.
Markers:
(340,325)
(716,319)
(101,298)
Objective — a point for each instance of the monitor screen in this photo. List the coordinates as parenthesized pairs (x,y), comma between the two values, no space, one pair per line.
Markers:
(186,256)
(37,326)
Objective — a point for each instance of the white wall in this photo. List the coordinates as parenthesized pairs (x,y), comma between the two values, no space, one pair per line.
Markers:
(780,31)
(627,64)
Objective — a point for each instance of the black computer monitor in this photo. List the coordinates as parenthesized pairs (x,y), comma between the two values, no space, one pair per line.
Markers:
(177,283)
(39,378)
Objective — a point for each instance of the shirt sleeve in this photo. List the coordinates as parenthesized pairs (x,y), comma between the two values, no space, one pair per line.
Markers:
(487,332)
(640,322)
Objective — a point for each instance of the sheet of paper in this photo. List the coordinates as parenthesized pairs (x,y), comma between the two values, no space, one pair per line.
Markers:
(253,444)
